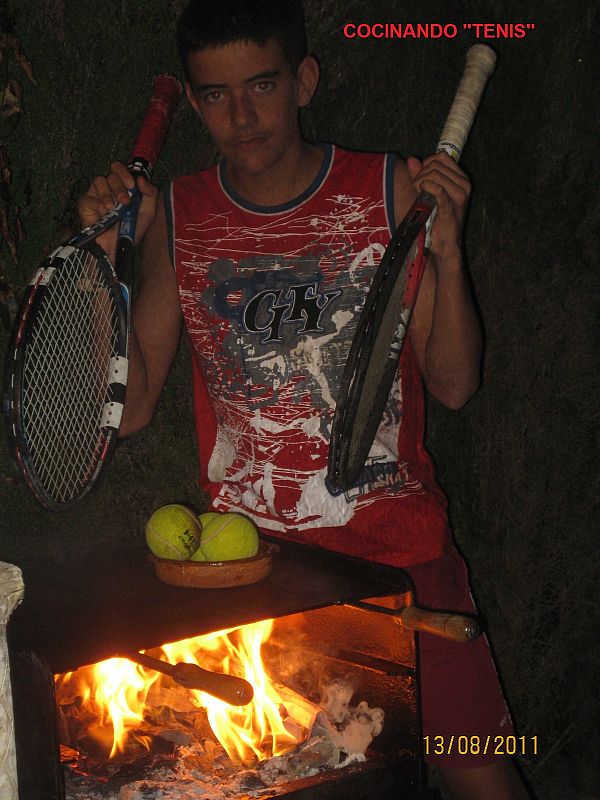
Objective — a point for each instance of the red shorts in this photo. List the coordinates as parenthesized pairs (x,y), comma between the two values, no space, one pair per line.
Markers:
(460,689)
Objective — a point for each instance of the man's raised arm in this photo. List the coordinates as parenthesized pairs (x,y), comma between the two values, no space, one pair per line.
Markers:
(444,330)
(156,313)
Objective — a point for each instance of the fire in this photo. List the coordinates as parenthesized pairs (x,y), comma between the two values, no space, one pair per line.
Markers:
(115,692)
(113,695)
(255,731)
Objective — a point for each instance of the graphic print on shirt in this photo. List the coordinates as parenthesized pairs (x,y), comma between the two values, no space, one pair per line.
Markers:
(285,333)
(272,332)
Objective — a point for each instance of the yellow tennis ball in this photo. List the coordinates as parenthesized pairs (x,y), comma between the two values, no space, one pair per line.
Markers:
(229,536)
(173,531)
(204,520)
(198,555)
(206,517)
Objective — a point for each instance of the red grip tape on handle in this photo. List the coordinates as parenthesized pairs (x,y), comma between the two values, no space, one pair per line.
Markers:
(166,91)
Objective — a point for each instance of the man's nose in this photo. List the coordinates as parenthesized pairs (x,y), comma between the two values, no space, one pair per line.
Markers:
(242,111)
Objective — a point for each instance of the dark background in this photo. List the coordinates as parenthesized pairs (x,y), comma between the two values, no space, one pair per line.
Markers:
(520,462)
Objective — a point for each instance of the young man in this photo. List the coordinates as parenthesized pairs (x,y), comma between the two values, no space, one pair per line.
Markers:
(266,259)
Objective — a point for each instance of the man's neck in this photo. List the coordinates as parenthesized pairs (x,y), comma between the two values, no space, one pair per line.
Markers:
(285,180)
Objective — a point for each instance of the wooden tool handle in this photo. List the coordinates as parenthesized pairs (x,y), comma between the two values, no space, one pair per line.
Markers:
(229,688)
(456,627)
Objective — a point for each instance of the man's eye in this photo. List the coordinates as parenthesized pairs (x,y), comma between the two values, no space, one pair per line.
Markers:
(213,97)
(263,86)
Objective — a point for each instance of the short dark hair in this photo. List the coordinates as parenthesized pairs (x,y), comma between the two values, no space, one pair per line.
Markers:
(214,23)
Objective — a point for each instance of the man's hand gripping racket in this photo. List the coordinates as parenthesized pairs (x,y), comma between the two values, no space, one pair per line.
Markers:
(66,367)
(382,325)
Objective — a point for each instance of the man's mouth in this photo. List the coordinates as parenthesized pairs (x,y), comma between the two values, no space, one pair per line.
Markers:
(250,142)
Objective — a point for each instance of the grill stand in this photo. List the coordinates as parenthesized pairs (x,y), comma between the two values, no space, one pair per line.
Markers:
(71,618)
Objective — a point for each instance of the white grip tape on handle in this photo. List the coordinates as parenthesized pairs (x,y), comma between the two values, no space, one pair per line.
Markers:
(481,61)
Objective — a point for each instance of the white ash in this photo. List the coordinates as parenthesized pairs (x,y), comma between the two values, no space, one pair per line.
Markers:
(339,735)
(355,726)
(152,790)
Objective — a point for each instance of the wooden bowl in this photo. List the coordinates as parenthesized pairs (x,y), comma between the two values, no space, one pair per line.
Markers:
(216,574)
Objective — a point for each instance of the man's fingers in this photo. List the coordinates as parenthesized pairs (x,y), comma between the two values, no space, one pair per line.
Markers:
(117,185)
(445,161)
(431,180)
(107,190)
(146,188)
(117,168)
(121,185)
(445,164)
(101,190)
(442,171)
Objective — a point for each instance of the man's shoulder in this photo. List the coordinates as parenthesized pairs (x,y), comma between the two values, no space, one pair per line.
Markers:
(365,156)
(207,176)
(360,164)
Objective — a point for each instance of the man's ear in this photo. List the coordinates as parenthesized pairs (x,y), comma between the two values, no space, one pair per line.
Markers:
(307,79)
(192,100)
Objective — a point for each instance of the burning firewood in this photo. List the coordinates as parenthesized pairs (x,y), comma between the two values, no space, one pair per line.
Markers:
(144,736)
(339,734)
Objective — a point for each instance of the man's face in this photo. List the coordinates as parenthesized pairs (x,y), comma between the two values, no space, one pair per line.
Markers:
(248,98)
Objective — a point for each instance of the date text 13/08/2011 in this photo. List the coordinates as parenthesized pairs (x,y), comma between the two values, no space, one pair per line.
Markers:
(480,745)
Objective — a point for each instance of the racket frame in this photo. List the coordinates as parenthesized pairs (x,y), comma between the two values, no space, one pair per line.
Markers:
(346,461)
(32,299)
(414,229)
(165,93)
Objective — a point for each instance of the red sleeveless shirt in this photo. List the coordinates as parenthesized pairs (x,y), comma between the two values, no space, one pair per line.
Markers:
(270,298)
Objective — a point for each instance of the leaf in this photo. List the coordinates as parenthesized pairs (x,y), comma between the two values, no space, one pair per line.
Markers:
(18,225)
(8,234)
(9,42)
(10,110)
(5,176)
(25,65)
(11,99)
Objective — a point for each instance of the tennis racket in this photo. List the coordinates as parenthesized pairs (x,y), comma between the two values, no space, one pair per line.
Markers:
(382,324)
(66,367)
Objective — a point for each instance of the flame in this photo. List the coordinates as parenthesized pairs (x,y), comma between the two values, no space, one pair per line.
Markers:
(115,692)
(272,724)
(247,733)
(121,691)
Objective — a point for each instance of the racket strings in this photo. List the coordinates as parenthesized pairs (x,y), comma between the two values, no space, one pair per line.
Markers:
(65,376)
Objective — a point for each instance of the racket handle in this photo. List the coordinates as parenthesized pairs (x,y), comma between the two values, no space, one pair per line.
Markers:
(166,91)
(480,64)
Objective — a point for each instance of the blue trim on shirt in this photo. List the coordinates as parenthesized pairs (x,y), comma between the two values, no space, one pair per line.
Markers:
(328,150)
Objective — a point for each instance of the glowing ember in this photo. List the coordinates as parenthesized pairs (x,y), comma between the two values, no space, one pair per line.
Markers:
(111,697)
